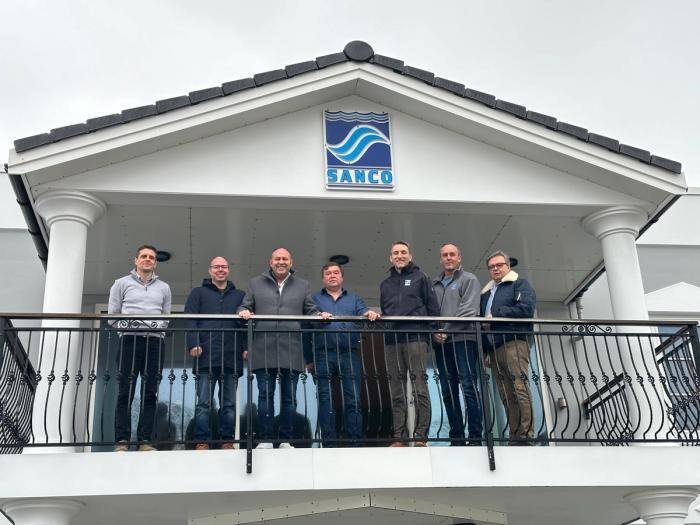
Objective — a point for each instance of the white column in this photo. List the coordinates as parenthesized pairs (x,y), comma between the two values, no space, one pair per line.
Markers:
(617,230)
(663,506)
(42,511)
(68,215)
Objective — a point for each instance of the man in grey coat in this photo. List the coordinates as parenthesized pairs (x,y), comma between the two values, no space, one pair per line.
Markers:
(456,354)
(277,291)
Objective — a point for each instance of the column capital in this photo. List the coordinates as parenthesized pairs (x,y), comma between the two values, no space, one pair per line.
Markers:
(70,205)
(618,219)
(668,505)
(38,511)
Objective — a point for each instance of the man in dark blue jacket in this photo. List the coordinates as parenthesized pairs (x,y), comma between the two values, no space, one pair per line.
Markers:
(508,295)
(407,292)
(335,352)
(218,350)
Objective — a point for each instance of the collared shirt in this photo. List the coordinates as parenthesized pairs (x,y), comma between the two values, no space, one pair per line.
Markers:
(490,301)
(346,304)
(280,285)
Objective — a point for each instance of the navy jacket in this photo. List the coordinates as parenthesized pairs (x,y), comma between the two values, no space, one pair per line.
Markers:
(408,293)
(220,348)
(514,297)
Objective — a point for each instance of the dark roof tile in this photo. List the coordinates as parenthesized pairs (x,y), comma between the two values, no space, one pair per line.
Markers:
(606,142)
(34,141)
(480,96)
(667,164)
(543,119)
(420,74)
(68,131)
(168,104)
(329,60)
(514,109)
(205,94)
(637,153)
(449,85)
(575,131)
(105,121)
(358,50)
(234,86)
(136,113)
(269,76)
(302,67)
(391,63)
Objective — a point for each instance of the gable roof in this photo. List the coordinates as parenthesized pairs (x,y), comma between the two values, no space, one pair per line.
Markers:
(356,51)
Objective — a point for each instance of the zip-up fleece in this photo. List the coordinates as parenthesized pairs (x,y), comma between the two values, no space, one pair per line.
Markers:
(220,349)
(459,299)
(514,297)
(131,295)
(409,293)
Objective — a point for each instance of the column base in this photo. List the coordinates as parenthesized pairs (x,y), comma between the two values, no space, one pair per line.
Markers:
(663,506)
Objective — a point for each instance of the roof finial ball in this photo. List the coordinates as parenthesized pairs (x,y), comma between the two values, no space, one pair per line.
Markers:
(358,51)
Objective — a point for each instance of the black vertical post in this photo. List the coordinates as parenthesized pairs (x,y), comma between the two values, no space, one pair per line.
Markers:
(3,324)
(695,346)
(485,400)
(249,403)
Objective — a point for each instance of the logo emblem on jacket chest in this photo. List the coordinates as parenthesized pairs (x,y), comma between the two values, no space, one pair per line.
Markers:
(407,282)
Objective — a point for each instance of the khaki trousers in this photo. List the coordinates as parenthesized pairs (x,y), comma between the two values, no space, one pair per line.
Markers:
(400,358)
(511,367)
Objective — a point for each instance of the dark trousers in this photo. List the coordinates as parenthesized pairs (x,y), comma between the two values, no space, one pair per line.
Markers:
(267,379)
(138,355)
(346,365)
(457,364)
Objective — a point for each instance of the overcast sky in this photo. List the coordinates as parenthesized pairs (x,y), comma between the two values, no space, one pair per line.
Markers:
(626,69)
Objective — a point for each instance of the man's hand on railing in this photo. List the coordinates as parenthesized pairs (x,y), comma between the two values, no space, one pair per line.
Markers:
(439,337)
(371,315)
(245,355)
(246,314)
(196,351)
(325,315)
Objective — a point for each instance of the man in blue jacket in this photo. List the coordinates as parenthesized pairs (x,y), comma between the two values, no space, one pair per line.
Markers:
(508,295)
(336,353)
(407,292)
(218,349)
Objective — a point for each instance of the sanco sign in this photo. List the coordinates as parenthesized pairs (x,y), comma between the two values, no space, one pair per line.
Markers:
(358,151)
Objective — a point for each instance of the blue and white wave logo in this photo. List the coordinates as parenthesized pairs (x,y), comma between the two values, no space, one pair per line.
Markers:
(358,150)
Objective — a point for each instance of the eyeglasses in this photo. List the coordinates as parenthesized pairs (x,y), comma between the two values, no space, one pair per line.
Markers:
(492,267)
(219,267)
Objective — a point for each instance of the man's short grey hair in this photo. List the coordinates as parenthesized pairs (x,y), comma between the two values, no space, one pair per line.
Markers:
(496,254)
(459,251)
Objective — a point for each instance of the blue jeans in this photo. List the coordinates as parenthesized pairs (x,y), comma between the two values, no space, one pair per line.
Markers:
(267,379)
(227,404)
(345,364)
(458,364)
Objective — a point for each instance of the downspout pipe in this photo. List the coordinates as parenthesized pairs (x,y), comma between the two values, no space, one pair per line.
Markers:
(30,217)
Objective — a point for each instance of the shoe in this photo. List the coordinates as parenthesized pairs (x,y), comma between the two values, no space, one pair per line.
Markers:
(286,445)
(397,444)
(201,446)
(147,447)
(420,444)
(264,445)
(227,446)
(121,447)
(474,442)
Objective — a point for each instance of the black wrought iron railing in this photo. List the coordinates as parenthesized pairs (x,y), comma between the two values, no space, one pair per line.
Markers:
(100,383)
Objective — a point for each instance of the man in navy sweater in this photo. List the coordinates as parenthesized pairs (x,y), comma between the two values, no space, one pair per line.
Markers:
(336,353)
(218,349)
(407,292)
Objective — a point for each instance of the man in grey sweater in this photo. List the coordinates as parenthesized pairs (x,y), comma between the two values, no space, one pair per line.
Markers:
(277,291)
(140,350)
(456,354)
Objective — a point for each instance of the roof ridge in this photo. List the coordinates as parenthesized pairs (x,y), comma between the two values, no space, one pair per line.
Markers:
(355,51)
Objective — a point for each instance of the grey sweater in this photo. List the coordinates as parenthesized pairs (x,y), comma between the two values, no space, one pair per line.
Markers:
(459,299)
(131,295)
